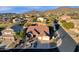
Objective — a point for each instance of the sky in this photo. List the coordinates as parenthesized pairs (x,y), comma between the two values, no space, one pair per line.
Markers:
(22,9)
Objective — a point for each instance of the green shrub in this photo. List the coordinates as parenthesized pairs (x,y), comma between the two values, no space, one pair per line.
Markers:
(21,34)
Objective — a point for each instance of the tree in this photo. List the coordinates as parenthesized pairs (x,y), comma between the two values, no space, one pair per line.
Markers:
(28,24)
(21,34)
(34,18)
(49,21)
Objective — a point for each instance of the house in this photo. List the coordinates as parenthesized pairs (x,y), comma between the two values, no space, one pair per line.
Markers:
(65,17)
(27,16)
(4,20)
(76,26)
(41,31)
(41,19)
(16,20)
(8,37)
(28,19)
(76,23)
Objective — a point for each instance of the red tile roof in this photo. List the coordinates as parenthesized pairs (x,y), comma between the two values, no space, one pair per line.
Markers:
(38,29)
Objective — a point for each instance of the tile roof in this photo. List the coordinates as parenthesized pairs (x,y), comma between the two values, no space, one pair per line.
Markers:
(39,30)
(8,35)
(8,30)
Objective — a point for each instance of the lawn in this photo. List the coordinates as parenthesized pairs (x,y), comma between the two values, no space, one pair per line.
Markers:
(3,25)
(67,25)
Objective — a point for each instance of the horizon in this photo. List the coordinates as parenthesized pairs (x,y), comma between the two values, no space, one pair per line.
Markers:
(24,9)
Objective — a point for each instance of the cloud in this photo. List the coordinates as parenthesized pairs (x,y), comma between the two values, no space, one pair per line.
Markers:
(34,7)
(5,8)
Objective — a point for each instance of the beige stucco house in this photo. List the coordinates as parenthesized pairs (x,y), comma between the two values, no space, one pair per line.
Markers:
(41,19)
(65,17)
(7,37)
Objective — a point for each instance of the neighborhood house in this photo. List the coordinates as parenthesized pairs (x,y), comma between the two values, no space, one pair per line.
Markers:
(40,31)
(7,37)
(65,17)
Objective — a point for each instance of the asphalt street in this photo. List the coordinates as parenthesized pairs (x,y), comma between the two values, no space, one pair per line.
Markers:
(68,44)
